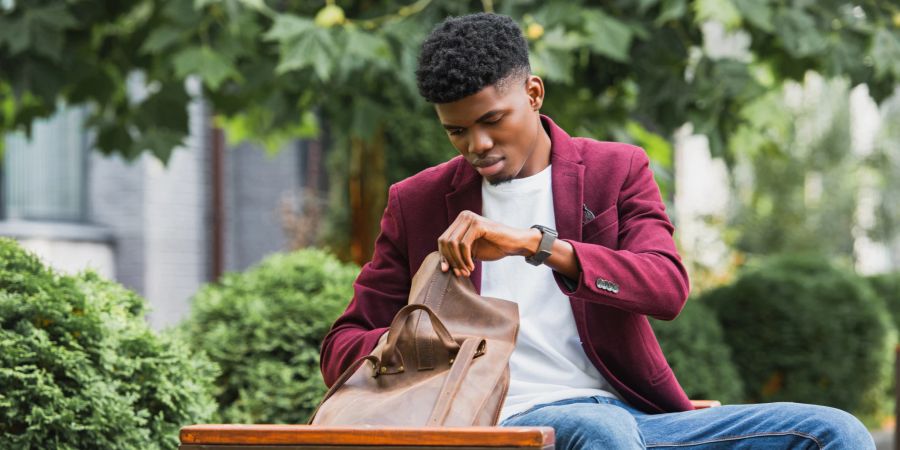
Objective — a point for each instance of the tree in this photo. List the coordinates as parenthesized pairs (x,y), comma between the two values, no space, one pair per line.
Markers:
(626,69)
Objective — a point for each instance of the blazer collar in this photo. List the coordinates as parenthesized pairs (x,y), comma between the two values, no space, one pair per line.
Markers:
(567,177)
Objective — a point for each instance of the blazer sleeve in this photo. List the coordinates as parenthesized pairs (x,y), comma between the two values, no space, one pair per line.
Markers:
(645,274)
(380,290)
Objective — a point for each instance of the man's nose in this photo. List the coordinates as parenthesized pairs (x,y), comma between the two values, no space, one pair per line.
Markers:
(480,143)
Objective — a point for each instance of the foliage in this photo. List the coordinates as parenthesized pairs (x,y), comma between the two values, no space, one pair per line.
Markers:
(264,328)
(796,177)
(634,70)
(694,346)
(887,286)
(80,369)
(802,329)
(607,63)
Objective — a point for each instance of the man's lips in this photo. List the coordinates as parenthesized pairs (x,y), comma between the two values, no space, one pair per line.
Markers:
(489,166)
(486,162)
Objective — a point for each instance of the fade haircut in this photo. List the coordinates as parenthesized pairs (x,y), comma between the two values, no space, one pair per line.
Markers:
(463,55)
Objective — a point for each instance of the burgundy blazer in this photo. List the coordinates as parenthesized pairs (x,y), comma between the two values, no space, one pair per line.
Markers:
(629,266)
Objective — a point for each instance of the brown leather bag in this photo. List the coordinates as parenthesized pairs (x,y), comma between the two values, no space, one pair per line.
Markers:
(445,361)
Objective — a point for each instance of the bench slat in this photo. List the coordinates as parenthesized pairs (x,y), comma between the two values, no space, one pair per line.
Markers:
(524,437)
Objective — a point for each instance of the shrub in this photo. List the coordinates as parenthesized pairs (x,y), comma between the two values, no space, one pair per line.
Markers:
(79,367)
(804,330)
(264,328)
(887,286)
(695,348)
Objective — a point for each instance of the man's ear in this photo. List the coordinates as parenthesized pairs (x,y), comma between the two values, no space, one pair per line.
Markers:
(534,87)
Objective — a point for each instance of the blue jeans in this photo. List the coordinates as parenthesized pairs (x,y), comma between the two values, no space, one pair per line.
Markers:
(607,423)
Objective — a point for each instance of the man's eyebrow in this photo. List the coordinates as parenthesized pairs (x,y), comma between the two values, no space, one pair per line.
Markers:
(483,117)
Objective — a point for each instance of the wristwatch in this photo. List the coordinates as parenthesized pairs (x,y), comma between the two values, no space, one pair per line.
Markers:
(548,235)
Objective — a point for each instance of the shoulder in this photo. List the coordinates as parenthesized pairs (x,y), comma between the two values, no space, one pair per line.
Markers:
(428,185)
(610,158)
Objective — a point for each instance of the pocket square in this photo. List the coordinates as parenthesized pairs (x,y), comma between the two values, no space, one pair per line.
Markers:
(588,215)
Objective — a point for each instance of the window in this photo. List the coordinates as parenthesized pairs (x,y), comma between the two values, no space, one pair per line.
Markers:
(45,178)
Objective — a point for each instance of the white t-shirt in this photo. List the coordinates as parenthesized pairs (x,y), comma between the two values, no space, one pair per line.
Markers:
(548,363)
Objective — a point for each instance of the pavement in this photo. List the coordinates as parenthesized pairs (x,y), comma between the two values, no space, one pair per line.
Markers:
(884,439)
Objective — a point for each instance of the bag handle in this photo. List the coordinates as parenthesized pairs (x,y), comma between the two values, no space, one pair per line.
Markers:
(341,380)
(389,355)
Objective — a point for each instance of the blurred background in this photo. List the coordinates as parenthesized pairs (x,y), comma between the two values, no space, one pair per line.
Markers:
(228,161)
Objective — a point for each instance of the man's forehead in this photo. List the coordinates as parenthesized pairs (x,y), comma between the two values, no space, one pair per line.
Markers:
(472,108)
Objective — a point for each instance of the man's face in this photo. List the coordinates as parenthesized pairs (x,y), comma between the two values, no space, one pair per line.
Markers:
(496,130)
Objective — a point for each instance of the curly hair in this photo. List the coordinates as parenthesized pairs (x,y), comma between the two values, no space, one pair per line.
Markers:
(463,55)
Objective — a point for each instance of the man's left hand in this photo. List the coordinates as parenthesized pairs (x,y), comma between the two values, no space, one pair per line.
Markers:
(472,237)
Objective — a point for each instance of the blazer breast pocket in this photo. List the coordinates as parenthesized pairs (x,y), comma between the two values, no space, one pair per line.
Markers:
(603,229)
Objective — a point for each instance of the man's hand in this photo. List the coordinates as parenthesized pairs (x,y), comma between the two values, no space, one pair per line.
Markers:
(472,237)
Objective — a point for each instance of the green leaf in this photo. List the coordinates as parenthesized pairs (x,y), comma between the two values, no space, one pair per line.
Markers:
(722,11)
(644,5)
(671,10)
(209,65)
(161,39)
(798,33)
(165,108)
(553,64)
(288,26)
(756,12)
(608,36)
(886,54)
(313,49)
(14,33)
(159,141)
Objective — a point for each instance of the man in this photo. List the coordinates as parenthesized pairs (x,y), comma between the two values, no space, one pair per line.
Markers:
(575,232)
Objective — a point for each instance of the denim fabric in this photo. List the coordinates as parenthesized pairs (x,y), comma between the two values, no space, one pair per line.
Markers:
(607,423)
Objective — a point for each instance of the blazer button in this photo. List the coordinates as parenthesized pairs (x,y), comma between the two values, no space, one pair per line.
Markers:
(607,285)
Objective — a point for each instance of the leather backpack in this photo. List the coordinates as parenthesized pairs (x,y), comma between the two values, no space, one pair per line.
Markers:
(445,361)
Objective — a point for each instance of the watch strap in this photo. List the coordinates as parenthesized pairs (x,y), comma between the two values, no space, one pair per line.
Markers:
(548,235)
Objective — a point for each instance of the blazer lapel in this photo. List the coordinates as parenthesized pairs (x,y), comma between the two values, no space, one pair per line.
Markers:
(465,196)
(567,176)
(568,196)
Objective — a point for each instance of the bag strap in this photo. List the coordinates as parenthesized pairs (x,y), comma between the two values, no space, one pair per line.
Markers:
(341,380)
(471,348)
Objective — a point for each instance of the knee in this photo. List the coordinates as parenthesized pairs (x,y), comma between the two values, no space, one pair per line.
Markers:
(838,429)
(592,426)
(847,430)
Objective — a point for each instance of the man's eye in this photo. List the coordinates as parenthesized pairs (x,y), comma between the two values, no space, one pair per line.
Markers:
(492,122)
(454,132)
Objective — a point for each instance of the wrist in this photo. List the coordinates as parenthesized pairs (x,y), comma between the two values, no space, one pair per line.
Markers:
(531,242)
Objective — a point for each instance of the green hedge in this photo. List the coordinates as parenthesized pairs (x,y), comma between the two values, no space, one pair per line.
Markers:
(887,286)
(804,330)
(695,348)
(80,369)
(264,328)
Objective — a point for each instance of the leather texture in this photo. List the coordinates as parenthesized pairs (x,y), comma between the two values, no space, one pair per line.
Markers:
(445,361)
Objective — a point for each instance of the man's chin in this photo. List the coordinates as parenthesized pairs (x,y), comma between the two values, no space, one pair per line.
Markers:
(500,179)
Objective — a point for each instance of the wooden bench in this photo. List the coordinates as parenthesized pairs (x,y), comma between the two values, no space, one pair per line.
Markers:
(297,437)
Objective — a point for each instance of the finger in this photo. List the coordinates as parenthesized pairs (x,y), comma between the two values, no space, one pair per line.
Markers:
(467,244)
(453,245)
(442,250)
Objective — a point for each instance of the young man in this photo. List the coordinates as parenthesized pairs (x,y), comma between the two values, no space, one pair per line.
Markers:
(575,232)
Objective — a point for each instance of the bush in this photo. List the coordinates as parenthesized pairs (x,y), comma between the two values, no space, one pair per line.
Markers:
(79,367)
(804,330)
(887,286)
(264,328)
(695,348)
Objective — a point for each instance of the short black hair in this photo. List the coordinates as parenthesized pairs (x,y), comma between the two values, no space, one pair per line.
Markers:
(463,55)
